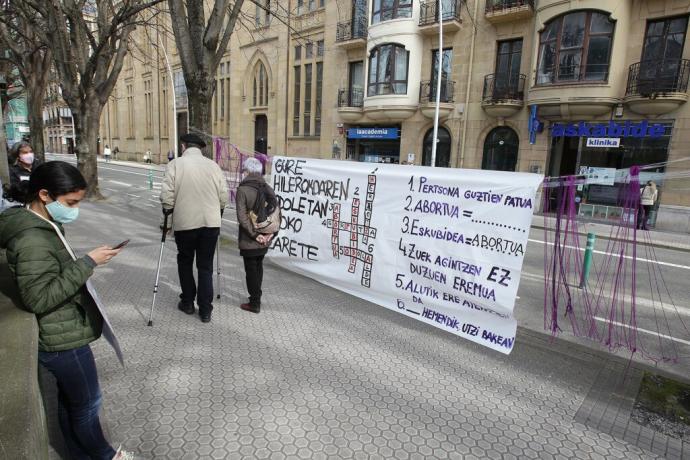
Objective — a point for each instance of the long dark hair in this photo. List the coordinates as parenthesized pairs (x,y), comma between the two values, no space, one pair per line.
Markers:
(57,177)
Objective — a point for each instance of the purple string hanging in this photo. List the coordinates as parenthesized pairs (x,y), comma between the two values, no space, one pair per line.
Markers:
(605,308)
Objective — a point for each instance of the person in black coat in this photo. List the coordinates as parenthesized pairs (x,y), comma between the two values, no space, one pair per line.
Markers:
(24,162)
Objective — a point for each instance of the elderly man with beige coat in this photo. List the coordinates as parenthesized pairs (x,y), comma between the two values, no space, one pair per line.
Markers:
(194,188)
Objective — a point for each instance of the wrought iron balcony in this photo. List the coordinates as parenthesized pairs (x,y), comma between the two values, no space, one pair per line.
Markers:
(500,87)
(501,5)
(429,12)
(503,94)
(350,97)
(497,11)
(427,92)
(354,29)
(649,78)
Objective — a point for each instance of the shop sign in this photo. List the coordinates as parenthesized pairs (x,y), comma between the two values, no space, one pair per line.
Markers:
(601,176)
(373,133)
(608,129)
(604,142)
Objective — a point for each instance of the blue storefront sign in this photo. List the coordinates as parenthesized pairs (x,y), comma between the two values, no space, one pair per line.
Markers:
(608,129)
(373,133)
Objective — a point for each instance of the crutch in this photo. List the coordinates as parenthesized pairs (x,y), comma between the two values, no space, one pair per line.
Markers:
(166,213)
(218,266)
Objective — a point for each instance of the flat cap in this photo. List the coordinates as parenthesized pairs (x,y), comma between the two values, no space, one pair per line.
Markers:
(191,138)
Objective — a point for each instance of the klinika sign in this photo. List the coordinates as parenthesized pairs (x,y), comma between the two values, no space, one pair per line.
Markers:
(610,129)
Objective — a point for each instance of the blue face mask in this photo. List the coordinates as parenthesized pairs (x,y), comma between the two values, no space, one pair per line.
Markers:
(61,213)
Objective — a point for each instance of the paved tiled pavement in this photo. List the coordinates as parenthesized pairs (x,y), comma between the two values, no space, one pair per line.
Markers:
(319,374)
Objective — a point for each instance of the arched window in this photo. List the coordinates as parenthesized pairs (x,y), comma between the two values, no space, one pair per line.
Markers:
(501,150)
(388,70)
(384,10)
(442,148)
(260,86)
(575,47)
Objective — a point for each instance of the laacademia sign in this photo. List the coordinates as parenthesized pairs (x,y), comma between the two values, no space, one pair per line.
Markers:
(610,129)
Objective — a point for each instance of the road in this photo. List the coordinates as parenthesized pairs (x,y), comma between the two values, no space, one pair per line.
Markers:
(127,188)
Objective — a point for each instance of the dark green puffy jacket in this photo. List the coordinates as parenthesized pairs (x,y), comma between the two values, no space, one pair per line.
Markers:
(50,283)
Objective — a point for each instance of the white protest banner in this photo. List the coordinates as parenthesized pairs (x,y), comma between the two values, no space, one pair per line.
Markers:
(443,246)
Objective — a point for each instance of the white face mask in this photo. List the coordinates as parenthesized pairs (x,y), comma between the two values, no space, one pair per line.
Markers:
(27,158)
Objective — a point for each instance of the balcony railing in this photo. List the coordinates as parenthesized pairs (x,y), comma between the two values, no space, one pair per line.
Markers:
(351,30)
(350,97)
(429,11)
(494,6)
(648,78)
(427,91)
(500,87)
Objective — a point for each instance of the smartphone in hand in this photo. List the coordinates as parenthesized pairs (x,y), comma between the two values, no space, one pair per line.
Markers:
(121,245)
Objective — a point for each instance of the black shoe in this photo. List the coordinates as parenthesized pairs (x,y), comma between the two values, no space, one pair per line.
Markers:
(205,318)
(186,307)
(250,308)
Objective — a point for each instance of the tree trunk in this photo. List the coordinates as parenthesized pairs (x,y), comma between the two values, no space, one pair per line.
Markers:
(35,102)
(199,100)
(86,147)
(4,161)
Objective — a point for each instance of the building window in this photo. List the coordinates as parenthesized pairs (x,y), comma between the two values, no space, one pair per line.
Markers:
(317,107)
(309,50)
(180,90)
(388,70)
(262,13)
(295,107)
(130,111)
(446,71)
(298,52)
(304,6)
(507,82)
(319,48)
(148,102)
(501,150)
(260,95)
(164,106)
(306,125)
(115,116)
(575,47)
(384,10)
(662,68)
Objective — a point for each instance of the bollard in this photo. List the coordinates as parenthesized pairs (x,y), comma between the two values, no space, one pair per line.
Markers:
(150,179)
(587,263)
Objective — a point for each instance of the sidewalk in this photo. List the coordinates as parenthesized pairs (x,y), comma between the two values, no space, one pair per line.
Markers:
(101,161)
(321,374)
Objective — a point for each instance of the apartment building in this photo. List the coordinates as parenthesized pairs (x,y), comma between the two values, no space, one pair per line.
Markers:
(58,125)
(545,86)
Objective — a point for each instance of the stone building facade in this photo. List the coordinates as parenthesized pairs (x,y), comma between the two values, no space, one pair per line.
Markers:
(601,83)
(58,126)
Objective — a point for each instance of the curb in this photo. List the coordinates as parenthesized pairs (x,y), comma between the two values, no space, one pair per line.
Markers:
(663,245)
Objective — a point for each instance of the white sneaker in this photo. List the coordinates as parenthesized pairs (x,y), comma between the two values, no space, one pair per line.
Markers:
(123,454)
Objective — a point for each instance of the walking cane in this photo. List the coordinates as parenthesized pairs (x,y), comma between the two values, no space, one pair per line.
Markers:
(218,266)
(166,213)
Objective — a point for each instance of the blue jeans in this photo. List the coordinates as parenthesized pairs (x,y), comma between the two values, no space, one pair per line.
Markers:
(79,400)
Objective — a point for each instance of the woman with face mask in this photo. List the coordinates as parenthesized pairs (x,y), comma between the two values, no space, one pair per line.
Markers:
(24,162)
(51,282)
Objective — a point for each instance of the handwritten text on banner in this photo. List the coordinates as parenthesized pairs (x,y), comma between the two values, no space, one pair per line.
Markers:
(444,246)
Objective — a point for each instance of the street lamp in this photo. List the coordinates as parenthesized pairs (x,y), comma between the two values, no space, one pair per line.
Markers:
(438,81)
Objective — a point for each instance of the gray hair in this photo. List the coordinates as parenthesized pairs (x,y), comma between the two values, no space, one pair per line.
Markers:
(252,166)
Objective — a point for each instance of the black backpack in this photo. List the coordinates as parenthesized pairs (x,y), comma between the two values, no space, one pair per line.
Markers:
(265,216)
